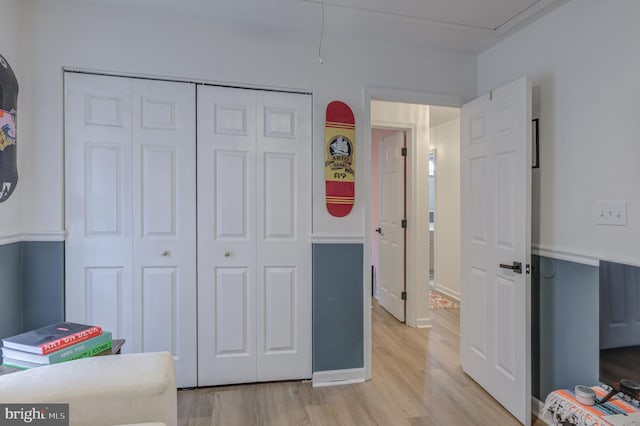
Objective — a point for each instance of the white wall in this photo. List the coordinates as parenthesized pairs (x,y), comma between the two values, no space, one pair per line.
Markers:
(585,71)
(445,138)
(9,39)
(84,35)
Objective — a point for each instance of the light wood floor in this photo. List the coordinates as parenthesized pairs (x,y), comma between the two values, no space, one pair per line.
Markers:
(417,380)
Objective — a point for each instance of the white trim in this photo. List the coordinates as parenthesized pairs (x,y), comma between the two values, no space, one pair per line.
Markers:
(338,377)
(10,239)
(578,256)
(537,407)
(410,97)
(200,81)
(424,323)
(448,292)
(629,262)
(575,256)
(41,236)
(337,239)
(45,236)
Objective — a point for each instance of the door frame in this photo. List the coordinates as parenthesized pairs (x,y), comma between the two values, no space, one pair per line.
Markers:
(414,186)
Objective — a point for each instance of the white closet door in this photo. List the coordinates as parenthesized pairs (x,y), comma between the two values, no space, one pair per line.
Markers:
(226,236)
(98,203)
(254,251)
(164,226)
(130,213)
(284,236)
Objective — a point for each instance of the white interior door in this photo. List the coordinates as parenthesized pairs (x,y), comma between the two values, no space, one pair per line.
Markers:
(254,249)
(495,333)
(130,213)
(391,282)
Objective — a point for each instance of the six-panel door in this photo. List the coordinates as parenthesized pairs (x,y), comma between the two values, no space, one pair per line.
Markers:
(254,260)
(130,213)
(131,248)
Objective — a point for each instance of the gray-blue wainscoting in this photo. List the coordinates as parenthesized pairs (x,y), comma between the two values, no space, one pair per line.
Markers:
(10,290)
(31,285)
(337,307)
(565,325)
(32,295)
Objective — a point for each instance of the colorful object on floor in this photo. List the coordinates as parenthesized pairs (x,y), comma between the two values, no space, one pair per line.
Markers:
(439,301)
(562,406)
(339,158)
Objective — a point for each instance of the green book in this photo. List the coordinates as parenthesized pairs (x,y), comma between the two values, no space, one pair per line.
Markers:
(76,351)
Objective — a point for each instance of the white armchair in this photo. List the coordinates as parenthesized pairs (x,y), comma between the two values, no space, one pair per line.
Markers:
(102,391)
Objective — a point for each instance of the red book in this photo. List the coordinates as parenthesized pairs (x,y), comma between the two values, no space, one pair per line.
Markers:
(51,338)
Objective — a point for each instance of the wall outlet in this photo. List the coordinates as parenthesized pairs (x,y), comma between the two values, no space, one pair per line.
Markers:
(612,213)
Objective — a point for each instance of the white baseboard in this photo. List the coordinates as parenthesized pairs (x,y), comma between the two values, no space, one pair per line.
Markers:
(455,295)
(423,323)
(338,377)
(536,409)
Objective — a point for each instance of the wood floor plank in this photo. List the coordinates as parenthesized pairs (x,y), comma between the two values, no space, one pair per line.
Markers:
(416,380)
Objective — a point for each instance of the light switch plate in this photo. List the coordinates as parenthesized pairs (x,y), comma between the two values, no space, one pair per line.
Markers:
(611,213)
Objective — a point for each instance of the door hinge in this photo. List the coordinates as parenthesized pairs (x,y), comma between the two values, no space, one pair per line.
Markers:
(403,295)
(403,151)
(403,224)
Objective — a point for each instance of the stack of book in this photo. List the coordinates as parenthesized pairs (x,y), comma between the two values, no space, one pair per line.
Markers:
(53,344)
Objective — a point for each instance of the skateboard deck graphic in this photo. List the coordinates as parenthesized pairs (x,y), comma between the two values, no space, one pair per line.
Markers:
(340,158)
(8,155)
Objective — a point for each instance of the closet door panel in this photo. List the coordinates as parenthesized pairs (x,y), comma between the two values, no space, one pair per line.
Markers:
(254,225)
(284,236)
(130,212)
(98,203)
(164,228)
(226,236)
(160,293)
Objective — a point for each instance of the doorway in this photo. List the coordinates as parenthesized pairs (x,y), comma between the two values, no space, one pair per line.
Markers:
(432,196)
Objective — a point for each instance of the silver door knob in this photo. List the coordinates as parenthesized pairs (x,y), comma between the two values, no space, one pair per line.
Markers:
(227,253)
(165,253)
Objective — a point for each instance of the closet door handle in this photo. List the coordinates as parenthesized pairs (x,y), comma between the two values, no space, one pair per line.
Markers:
(227,253)
(165,253)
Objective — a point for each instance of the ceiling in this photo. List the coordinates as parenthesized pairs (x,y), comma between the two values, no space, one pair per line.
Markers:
(469,26)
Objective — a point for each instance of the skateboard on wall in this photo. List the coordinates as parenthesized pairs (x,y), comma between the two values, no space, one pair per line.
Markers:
(8,104)
(339,158)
